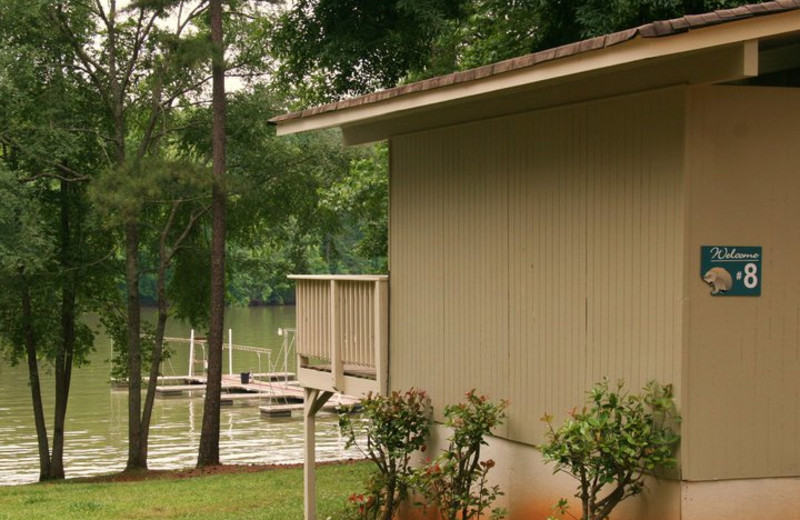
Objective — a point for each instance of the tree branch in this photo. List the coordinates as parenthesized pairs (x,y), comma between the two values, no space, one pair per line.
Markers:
(189,226)
(138,43)
(101,13)
(74,175)
(90,66)
(197,11)
(157,110)
(185,90)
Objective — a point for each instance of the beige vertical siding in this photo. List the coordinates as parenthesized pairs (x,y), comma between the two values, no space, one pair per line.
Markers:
(534,254)
(742,361)
(416,292)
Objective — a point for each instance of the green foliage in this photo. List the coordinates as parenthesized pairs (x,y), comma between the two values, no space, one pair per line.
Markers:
(259,277)
(298,204)
(27,250)
(116,327)
(140,190)
(488,31)
(493,30)
(335,48)
(613,441)
(455,483)
(331,48)
(361,200)
(39,256)
(395,426)
(24,241)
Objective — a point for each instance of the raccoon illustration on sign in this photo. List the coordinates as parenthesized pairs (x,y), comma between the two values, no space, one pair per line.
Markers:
(719,279)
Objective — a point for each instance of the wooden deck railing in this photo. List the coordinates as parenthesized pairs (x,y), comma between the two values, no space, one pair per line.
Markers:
(342,329)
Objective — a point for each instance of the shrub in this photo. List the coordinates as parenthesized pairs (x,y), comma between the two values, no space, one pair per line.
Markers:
(455,482)
(394,427)
(613,442)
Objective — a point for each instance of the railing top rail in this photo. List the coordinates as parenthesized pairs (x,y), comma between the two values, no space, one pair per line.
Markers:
(343,277)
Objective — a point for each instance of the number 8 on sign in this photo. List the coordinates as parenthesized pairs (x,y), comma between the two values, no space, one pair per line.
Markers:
(750,275)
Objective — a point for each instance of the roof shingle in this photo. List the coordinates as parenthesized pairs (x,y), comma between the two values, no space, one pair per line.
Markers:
(651,30)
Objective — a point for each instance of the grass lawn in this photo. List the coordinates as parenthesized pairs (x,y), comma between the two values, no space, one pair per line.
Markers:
(265,495)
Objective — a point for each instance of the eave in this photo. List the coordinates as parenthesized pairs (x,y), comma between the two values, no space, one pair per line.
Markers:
(616,64)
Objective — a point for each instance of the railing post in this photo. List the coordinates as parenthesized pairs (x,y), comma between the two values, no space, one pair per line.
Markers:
(337,368)
(381,303)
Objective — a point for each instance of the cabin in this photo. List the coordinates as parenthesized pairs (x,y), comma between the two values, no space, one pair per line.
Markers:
(621,207)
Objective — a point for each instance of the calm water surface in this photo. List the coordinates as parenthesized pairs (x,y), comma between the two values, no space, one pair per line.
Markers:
(96,429)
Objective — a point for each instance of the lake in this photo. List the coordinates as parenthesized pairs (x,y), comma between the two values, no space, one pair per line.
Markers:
(96,427)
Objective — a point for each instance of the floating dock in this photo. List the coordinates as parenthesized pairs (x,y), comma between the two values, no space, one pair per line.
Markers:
(268,385)
(277,391)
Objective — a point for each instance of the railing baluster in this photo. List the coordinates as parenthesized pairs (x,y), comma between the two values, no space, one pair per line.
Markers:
(346,312)
(368,323)
(367,341)
(341,320)
(357,316)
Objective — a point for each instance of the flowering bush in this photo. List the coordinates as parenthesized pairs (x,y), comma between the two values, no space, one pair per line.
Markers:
(394,426)
(362,504)
(613,441)
(455,482)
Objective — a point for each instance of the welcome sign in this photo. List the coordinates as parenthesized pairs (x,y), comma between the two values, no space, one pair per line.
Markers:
(732,270)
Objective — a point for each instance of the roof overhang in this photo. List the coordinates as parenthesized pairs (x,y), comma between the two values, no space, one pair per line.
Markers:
(718,53)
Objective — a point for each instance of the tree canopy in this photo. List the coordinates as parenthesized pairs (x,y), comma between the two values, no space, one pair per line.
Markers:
(329,49)
(106,155)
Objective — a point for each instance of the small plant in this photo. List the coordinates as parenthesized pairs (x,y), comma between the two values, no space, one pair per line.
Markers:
(455,483)
(394,426)
(613,442)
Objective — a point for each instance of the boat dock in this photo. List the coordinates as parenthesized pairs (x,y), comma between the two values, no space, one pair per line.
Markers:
(277,398)
(280,385)
(276,391)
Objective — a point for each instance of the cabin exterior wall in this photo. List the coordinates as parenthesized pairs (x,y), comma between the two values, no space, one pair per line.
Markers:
(532,255)
(742,357)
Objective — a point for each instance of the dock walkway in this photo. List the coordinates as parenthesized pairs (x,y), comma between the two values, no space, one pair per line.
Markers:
(272,384)
(285,410)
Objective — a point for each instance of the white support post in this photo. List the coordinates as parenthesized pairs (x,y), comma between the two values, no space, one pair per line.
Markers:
(310,461)
(230,352)
(312,403)
(191,353)
(337,367)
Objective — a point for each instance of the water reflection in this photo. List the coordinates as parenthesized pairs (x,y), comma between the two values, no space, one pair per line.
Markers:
(96,429)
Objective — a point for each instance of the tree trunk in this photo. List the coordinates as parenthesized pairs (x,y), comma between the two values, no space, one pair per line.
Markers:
(33,377)
(209,438)
(158,347)
(135,460)
(63,369)
(66,349)
(391,487)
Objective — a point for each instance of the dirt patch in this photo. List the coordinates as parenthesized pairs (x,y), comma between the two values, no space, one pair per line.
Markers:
(223,469)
